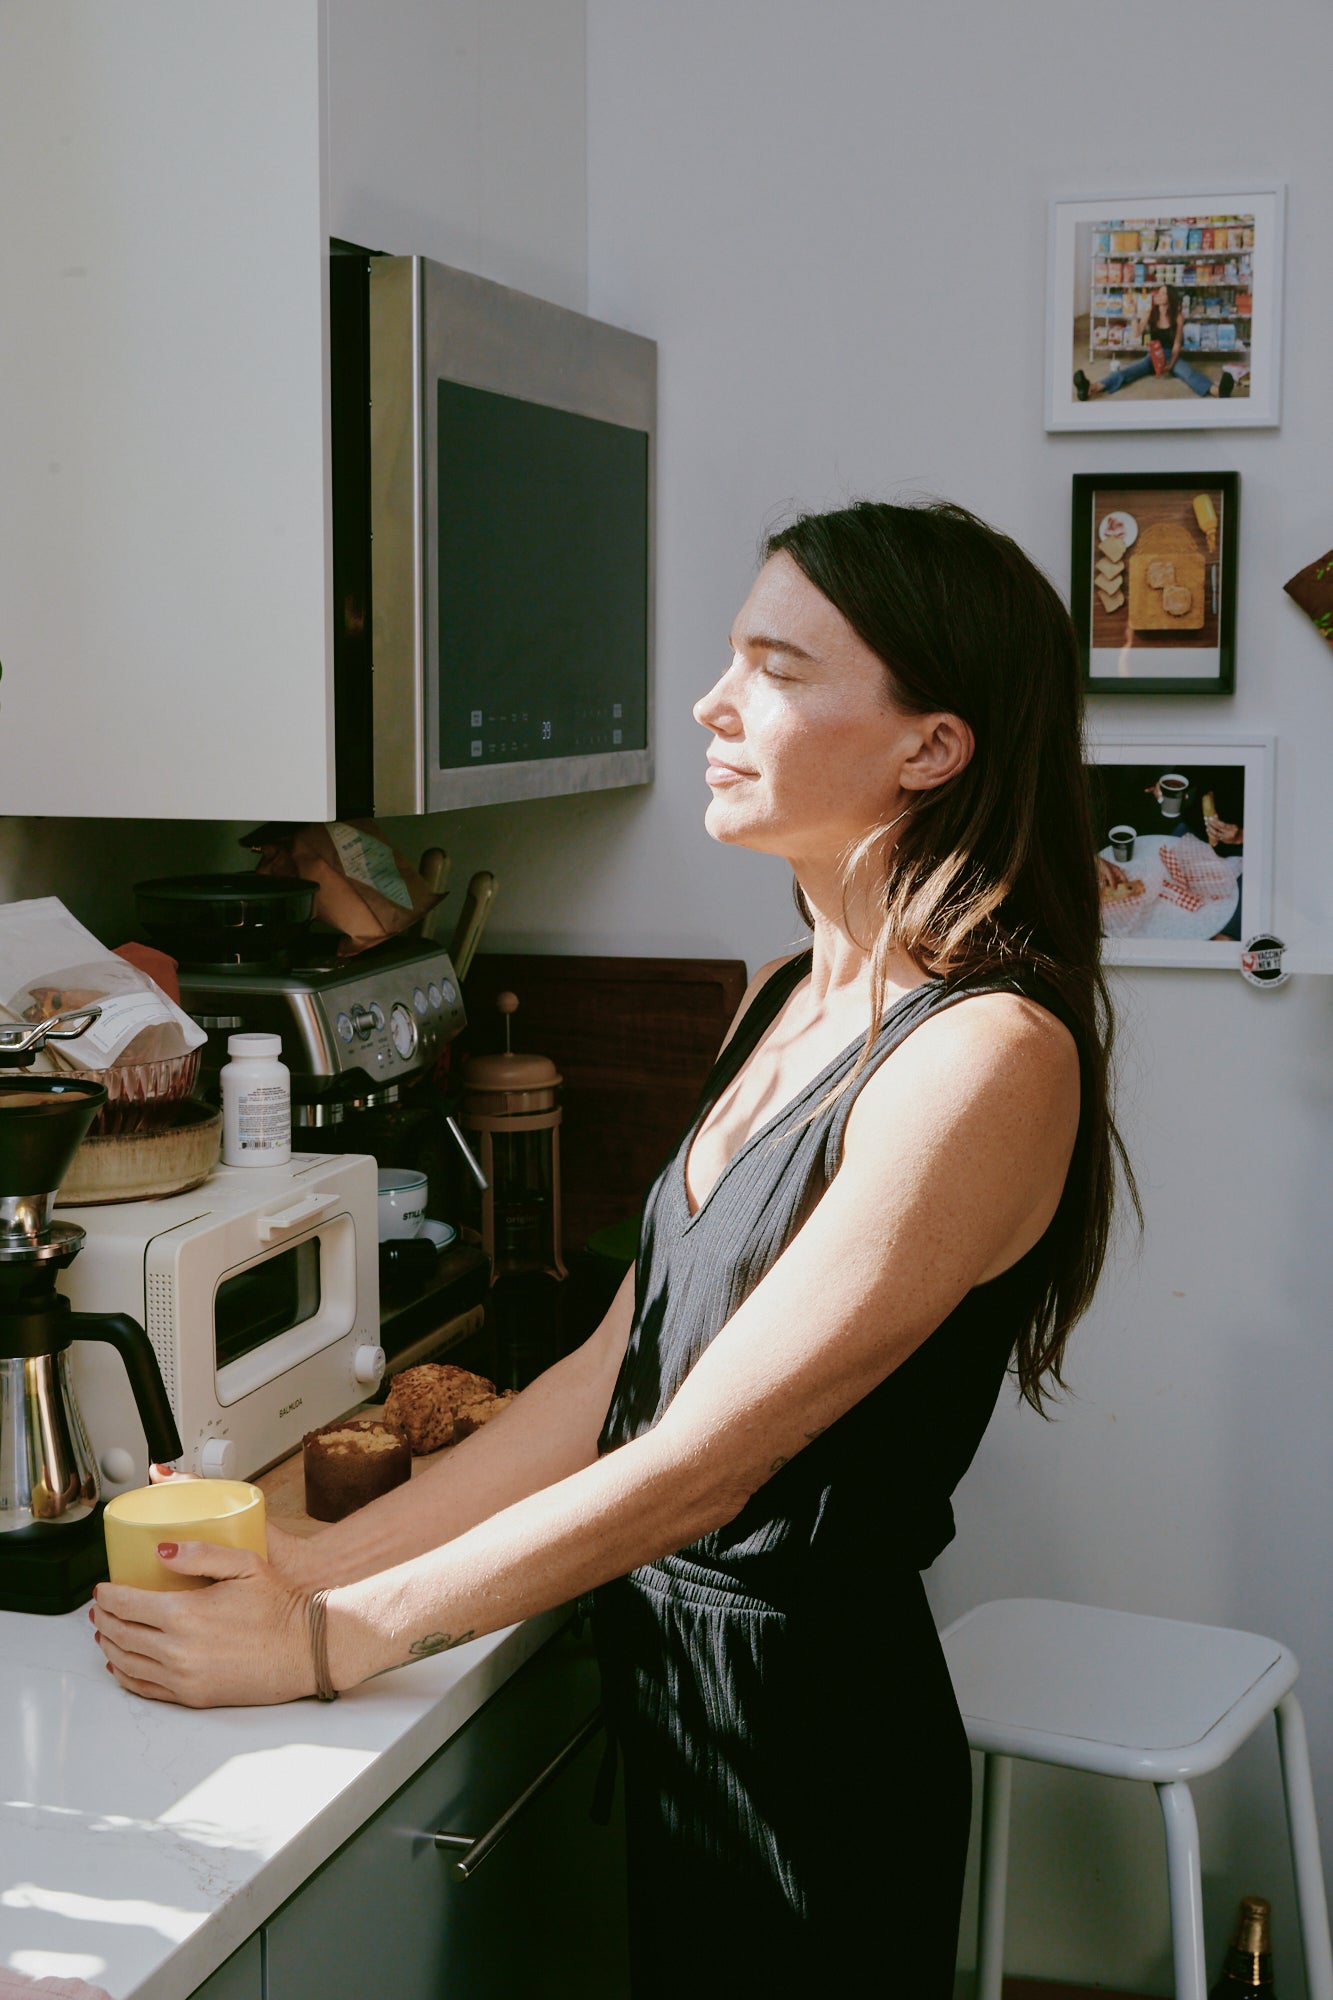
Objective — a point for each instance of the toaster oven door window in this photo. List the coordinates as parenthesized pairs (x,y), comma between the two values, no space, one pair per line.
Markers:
(255,1306)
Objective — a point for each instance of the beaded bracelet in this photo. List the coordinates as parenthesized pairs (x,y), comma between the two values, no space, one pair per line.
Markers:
(319,1645)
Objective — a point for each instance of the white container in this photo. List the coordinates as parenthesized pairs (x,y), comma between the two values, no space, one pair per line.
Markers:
(402,1202)
(256,1103)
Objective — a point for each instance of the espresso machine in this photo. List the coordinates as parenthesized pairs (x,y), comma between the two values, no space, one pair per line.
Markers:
(51,1544)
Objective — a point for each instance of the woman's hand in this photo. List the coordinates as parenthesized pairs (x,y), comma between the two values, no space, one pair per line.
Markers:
(1109,874)
(1225,831)
(293,1557)
(242,1642)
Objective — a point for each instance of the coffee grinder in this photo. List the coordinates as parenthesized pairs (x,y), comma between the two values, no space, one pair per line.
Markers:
(51,1545)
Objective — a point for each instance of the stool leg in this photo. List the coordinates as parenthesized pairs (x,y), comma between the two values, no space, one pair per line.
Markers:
(1186,1887)
(997,1786)
(1303,1830)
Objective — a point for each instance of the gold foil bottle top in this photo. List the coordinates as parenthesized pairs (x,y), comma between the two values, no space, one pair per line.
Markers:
(1248,1971)
(1253,1927)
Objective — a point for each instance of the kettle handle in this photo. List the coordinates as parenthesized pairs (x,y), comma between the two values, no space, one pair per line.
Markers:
(136,1351)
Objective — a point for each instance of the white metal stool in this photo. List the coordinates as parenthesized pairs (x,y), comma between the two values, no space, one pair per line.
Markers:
(1130,1697)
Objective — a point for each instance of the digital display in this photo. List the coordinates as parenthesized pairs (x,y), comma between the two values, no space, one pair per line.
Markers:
(543,581)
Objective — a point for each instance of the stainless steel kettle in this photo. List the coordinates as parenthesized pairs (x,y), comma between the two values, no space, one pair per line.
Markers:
(50,1535)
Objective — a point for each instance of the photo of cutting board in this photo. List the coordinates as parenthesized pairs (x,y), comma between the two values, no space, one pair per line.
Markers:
(1164,541)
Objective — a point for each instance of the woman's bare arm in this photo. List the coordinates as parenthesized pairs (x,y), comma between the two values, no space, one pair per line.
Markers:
(547,1433)
(550,1431)
(955,1156)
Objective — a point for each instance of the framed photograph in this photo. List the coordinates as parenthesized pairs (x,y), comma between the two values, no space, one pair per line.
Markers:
(1184,840)
(1153,581)
(1164,312)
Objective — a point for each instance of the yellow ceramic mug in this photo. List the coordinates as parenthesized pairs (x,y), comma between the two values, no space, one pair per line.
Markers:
(226,1512)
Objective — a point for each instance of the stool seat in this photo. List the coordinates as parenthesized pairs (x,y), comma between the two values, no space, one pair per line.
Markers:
(1111,1691)
(1130,1697)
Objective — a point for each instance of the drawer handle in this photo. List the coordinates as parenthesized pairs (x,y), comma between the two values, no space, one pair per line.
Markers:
(471,1849)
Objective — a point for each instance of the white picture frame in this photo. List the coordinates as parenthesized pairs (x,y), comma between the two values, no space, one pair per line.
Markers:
(1122,769)
(1219,338)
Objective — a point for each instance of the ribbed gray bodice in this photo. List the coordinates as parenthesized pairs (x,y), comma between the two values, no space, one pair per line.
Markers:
(877,1483)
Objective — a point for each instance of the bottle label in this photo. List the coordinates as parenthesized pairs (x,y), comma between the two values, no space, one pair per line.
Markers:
(263,1118)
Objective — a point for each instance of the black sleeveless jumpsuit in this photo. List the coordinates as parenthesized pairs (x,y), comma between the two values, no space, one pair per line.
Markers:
(798,1787)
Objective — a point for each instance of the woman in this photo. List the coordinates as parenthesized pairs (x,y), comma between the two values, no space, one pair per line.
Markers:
(899,1182)
(1162,321)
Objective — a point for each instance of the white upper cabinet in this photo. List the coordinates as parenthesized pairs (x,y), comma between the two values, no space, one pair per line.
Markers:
(165,638)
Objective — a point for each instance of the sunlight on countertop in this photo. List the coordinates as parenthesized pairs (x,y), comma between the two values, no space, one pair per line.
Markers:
(260,1799)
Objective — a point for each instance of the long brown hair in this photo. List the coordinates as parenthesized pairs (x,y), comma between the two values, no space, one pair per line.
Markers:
(992,874)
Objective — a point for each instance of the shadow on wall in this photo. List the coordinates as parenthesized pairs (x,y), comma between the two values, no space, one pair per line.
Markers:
(93,864)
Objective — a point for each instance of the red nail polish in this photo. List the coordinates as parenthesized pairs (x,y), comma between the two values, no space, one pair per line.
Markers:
(167,1471)
(167,1550)
(92,1615)
(108,1666)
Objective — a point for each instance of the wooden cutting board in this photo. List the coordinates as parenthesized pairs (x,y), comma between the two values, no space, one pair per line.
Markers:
(1174,545)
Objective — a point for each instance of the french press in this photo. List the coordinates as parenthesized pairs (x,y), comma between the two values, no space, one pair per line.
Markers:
(51,1544)
(511,1103)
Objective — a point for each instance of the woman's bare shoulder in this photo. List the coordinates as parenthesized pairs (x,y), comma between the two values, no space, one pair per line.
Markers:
(758,981)
(997,1055)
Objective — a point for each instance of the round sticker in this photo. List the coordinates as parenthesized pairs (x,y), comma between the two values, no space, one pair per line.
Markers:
(1261,961)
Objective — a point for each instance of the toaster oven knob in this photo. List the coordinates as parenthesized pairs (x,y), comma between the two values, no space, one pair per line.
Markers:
(368,1365)
(217,1460)
(364,1022)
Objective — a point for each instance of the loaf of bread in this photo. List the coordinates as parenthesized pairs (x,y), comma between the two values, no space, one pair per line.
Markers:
(351,1462)
(436,1405)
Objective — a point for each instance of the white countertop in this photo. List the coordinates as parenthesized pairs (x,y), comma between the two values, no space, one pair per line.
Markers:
(140,1844)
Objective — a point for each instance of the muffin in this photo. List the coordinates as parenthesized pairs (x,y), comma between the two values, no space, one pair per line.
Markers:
(349,1463)
(436,1405)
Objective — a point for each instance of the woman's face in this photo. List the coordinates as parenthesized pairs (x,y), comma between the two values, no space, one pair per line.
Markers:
(1161,297)
(808,752)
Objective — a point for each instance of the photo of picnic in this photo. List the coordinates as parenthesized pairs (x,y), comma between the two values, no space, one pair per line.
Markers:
(1163,306)
(1170,850)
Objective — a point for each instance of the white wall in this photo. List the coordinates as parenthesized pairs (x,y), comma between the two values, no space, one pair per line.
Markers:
(833,220)
(457,132)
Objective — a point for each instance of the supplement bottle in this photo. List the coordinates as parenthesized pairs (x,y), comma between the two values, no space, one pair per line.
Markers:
(256,1103)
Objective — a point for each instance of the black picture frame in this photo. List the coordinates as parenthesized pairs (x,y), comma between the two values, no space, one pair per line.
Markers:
(1164,535)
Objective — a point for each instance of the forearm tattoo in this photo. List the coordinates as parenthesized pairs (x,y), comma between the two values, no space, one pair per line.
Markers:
(778,1463)
(438,1642)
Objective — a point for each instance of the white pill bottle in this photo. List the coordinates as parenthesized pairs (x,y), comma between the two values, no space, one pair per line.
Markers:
(256,1103)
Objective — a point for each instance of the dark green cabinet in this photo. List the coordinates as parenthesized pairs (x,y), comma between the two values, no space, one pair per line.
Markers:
(544,1912)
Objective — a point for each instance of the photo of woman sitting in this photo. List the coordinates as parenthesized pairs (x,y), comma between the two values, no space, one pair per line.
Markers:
(1161,325)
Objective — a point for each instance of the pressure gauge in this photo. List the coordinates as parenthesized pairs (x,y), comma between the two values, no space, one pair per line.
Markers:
(404,1031)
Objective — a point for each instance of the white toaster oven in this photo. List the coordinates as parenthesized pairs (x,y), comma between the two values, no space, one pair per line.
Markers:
(260,1294)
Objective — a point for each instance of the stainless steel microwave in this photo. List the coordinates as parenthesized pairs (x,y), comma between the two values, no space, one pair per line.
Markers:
(507,628)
